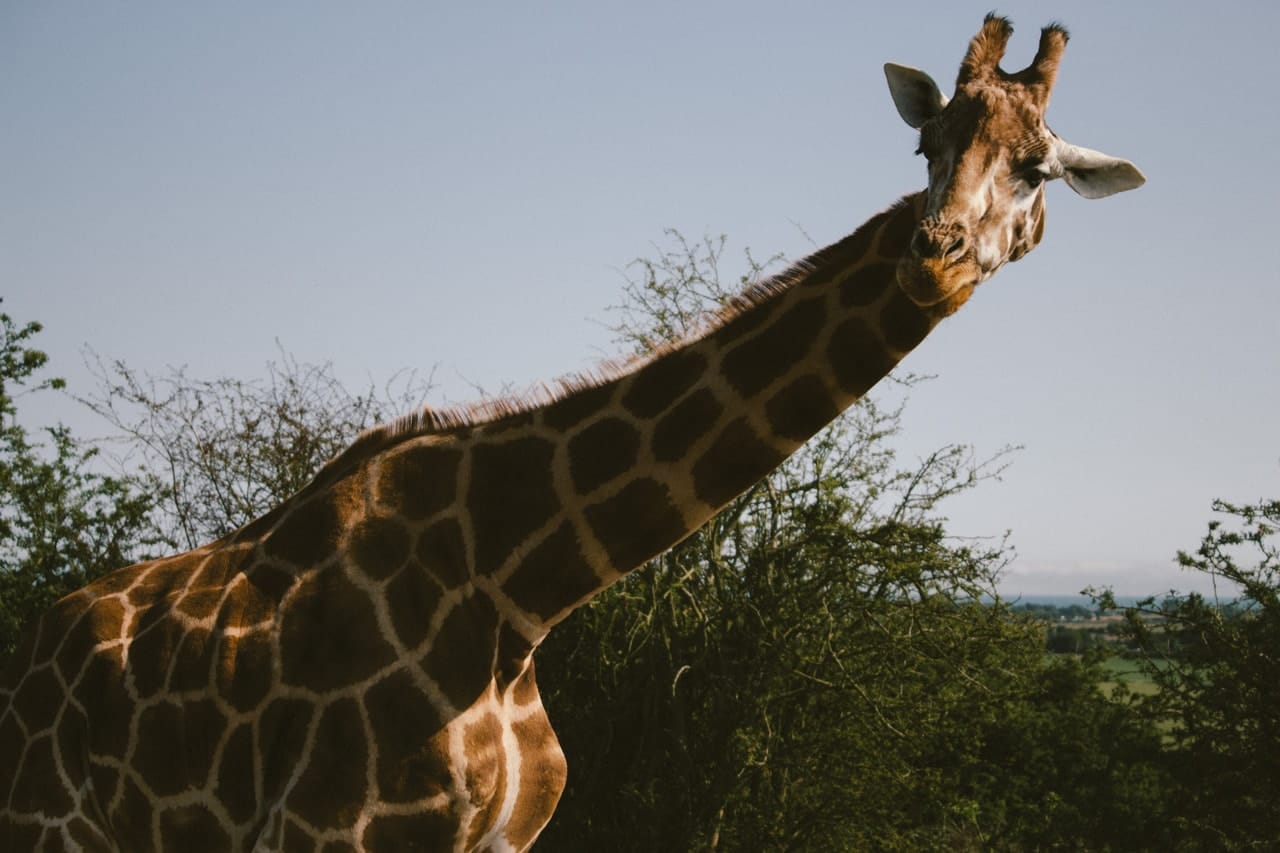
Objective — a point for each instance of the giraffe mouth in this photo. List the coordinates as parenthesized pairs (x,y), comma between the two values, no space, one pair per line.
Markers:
(928,281)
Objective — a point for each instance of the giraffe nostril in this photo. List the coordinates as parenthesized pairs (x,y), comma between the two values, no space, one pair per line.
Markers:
(920,245)
(944,243)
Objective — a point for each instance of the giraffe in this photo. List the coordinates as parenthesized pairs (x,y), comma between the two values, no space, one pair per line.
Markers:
(354,670)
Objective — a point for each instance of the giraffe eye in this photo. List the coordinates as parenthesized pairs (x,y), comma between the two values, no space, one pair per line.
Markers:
(1033,173)
(1033,176)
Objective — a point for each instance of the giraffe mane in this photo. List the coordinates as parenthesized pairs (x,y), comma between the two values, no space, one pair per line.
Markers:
(439,421)
(432,421)
(442,422)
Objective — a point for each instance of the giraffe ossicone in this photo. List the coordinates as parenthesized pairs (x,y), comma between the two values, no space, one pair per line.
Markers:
(354,670)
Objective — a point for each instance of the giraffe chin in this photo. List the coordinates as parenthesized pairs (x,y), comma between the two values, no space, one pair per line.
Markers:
(928,282)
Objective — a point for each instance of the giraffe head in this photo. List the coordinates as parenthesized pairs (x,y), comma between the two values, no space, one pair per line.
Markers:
(990,155)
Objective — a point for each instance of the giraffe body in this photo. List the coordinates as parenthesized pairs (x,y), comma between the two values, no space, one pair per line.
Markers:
(354,670)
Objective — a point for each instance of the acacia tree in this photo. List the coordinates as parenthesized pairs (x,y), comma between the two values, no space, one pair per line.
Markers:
(62,523)
(220,452)
(1217,667)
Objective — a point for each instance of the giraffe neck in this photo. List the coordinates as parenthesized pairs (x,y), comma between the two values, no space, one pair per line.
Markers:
(358,662)
(553,504)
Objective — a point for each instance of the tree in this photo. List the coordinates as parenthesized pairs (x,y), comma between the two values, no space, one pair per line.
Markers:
(221,452)
(62,524)
(1217,667)
(1065,767)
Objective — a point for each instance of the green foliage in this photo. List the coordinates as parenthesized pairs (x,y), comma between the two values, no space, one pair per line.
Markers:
(61,523)
(1068,768)
(1217,672)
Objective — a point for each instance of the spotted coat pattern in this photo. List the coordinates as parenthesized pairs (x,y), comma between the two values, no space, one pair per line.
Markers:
(354,670)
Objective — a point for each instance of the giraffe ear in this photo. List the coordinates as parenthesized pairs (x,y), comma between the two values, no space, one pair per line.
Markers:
(916,96)
(1093,174)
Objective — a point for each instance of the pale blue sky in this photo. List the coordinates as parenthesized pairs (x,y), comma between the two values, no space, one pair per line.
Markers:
(402,185)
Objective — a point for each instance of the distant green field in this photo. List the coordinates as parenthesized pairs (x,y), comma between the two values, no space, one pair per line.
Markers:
(1127,672)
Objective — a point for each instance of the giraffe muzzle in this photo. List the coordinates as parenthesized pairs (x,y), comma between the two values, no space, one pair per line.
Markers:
(941,262)
(945,243)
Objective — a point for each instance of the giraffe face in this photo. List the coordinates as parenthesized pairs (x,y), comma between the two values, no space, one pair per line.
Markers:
(989,155)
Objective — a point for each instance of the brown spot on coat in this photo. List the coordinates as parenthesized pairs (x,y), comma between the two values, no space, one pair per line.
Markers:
(513,652)
(234,782)
(329,635)
(71,736)
(161,580)
(281,736)
(801,408)
(412,748)
(38,699)
(461,655)
(420,480)
(103,620)
(192,828)
(39,787)
(192,666)
(244,669)
(131,818)
(903,323)
(578,406)
(553,575)
(867,284)
(601,452)
(661,382)
(379,546)
(84,836)
(330,792)
(12,742)
(508,424)
(838,257)
(421,831)
(895,240)
(412,596)
(511,495)
(857,356)
(102,692)
(158,753)
(252,600)
(679,428)
(442,552)
(736,460)
(155,642)
(636,523)
(297,838)
(308,534)
(21,836)
(200,603)
(524,689)
(756,362)
(202,728)
(743,324)
(271,581)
